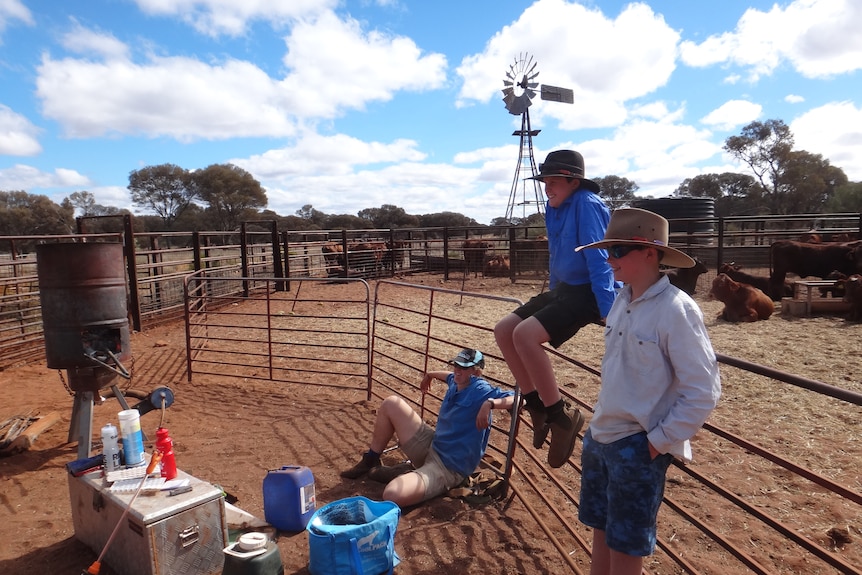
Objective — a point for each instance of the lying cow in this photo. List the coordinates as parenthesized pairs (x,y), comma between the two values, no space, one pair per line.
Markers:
(742,302)
(762,283)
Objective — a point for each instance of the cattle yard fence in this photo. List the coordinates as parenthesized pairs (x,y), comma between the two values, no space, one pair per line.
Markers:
(412,329)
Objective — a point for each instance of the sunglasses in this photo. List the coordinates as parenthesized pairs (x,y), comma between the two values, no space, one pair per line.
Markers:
(622,250)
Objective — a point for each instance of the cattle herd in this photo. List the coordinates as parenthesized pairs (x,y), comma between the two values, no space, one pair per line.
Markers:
(750,298)
(746,297)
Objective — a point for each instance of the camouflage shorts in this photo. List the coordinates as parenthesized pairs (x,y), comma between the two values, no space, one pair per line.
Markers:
(621,491)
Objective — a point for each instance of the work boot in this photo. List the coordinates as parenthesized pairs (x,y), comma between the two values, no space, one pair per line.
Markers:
(564,431)
(366,464)
(540,425)
(386,473)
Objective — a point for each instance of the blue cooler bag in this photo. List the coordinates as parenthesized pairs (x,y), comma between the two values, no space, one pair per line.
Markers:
(353,536)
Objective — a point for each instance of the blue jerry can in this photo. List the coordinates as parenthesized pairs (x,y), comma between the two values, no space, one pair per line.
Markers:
(288,497)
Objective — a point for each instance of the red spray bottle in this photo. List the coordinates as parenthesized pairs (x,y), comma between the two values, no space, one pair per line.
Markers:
(165,446)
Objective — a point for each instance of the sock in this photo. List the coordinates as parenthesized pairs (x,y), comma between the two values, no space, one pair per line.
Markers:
(371,456)
(555,411)
(533,401)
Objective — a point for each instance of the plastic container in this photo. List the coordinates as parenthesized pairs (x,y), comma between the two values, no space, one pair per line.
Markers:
(288,497)
(110,448)
(253,554)
(133,439)
(165,445)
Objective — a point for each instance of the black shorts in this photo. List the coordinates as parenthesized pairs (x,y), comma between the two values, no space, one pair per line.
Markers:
(562,311)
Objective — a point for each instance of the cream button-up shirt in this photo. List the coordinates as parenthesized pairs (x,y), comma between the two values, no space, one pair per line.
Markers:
(659,372)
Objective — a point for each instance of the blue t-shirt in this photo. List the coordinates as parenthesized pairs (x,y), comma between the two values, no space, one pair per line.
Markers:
(580,220)
(456,440)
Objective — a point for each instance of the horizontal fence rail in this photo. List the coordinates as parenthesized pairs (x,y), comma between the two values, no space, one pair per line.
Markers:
(417,328)
(157,262)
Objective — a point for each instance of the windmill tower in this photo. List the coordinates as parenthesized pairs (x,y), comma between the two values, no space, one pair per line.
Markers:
(520,87)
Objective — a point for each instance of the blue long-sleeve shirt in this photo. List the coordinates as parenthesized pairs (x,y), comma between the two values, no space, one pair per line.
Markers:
(581,219)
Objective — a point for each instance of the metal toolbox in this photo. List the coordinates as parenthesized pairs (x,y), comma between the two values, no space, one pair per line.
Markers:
(183,534)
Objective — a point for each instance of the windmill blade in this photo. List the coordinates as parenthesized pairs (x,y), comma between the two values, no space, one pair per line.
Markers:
(532,85)
(557,94)
(530,94)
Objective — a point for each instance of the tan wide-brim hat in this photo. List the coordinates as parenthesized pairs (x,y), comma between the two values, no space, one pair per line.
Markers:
(641,227)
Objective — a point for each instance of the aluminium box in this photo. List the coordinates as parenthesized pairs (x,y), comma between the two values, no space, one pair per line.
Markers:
(178,535)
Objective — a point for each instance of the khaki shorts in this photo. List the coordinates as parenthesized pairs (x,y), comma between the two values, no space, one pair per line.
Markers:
(438,479)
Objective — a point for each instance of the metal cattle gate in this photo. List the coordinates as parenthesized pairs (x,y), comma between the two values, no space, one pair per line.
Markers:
(704,525)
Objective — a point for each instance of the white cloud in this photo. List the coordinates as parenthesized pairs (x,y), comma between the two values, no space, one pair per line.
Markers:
(23,177)
(733,114)
(334,67)
(813,131)
(819,38)
(580,57)
(230,17)
(80,40)
(13,10)
(794,99)
(316,155)
(17,134)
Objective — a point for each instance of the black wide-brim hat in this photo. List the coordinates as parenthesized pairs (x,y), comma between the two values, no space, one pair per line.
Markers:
(568,164)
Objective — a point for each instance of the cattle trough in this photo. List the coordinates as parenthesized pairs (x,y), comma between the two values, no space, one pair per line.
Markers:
(808,299)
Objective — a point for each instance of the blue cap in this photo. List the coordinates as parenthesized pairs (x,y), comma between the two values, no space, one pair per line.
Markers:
(469,358)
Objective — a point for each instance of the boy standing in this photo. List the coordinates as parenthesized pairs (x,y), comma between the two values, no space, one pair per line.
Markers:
(660,382)
(443,456)
(581,291)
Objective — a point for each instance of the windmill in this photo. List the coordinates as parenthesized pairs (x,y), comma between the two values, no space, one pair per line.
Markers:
(520,89)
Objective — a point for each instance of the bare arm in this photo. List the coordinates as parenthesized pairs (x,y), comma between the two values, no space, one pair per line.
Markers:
(430,376)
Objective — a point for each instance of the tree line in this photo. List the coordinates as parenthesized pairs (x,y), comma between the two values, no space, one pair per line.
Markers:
(782,180)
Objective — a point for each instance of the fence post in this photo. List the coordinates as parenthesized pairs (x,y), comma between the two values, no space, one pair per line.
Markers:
(131,266)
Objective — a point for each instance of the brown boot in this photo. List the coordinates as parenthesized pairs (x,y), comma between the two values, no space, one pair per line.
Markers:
(540,425)
(386,473)
(364,466)
(564,432)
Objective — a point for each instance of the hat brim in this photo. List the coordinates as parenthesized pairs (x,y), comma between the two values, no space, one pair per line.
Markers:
(585,182)
(673,258)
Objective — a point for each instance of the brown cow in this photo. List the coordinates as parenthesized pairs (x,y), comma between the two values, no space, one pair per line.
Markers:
(855,257)
(742,302)
(804,260)
(474,256)
(366,257)
(686,278)
(497,266)
(333,258)
(853,296)
(763,283)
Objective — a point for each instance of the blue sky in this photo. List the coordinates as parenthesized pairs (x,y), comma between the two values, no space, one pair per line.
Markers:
(347,105)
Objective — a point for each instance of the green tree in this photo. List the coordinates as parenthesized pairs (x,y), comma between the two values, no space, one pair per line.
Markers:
(347,222)
(83,202)
(444,219)
(165,189)
(765,147)
(388,216)
(232,194)
(24,214)
(809,181)
(734,194)
(315,218)
(617,190)
(847,198)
